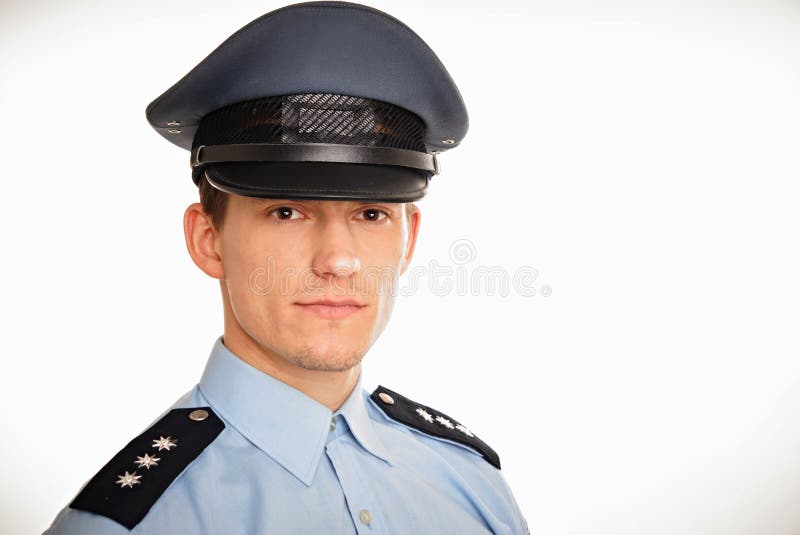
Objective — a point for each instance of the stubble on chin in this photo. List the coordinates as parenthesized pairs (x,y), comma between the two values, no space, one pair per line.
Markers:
(314,360)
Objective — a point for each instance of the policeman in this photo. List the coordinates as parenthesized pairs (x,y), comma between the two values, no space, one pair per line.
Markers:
(311,132)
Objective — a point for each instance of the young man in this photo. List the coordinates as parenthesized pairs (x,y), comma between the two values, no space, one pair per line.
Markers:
(312,130)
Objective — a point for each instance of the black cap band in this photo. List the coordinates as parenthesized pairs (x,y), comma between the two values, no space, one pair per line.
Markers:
(313,152)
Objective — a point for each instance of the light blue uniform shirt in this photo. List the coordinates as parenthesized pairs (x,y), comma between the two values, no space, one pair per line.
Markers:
(286,464)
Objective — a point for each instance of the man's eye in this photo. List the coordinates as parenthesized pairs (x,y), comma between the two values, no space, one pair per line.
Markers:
(373,215)
(284,213)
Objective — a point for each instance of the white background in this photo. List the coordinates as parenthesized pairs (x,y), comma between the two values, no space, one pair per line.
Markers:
(641,155)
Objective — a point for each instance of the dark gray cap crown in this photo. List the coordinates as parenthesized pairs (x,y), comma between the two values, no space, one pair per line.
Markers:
(319,48)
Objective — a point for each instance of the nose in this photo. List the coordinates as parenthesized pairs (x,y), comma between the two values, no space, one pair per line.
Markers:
(336,255)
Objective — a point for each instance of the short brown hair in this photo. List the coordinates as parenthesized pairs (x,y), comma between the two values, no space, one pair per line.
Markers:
(215,203)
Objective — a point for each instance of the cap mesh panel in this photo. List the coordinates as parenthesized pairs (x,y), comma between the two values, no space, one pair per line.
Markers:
(311,118)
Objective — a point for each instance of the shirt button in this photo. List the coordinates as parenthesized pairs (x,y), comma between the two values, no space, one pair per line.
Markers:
(333,424)
(365,516)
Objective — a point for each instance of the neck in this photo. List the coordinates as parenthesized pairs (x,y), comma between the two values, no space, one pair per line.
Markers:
(330,388)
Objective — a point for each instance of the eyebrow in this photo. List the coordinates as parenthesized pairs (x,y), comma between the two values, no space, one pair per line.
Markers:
(314,202)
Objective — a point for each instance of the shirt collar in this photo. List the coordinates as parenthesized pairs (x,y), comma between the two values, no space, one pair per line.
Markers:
(285,423)
(354,411)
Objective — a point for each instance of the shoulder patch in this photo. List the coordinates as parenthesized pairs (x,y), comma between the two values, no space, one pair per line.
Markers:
(128,485)
(430,421)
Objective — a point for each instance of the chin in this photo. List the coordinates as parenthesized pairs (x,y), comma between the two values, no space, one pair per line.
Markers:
(332,347)
(320,359)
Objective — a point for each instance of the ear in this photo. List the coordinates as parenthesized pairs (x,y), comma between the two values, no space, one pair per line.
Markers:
(413,229)
(202,241)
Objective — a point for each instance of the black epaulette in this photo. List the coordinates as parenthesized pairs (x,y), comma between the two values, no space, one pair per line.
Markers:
(128,485)
(430,421)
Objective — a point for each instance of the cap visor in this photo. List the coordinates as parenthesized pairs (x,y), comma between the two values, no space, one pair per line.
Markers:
(319,180)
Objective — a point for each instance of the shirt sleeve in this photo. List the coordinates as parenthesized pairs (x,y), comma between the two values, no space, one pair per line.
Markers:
(76,522)
(487,481)
(518,519)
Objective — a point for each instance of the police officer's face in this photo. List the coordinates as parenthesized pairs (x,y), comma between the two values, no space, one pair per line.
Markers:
(278,256)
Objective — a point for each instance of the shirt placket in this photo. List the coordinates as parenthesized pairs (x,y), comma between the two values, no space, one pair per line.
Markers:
(359,496)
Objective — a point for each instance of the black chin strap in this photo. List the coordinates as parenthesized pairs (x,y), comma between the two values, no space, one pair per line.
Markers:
(313,152)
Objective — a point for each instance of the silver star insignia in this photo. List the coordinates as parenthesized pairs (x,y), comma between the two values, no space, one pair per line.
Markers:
(165,443)
(128,480)
(425,414)
(464,430)
(445,422)
(147,461)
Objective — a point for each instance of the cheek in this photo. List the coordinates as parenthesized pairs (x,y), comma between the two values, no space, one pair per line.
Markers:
(260,282)
(396,255)
(239,263)
(380,272)
(248,271)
